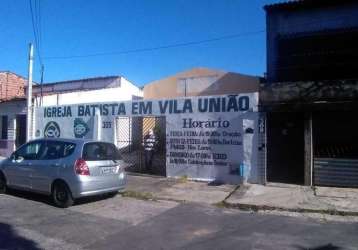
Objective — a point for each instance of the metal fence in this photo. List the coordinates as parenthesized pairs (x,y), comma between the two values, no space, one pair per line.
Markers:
(130,136)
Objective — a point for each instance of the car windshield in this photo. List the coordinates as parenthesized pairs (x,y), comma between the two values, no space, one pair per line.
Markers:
(96,151)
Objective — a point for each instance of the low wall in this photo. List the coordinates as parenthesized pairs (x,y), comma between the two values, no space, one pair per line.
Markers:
(6,147)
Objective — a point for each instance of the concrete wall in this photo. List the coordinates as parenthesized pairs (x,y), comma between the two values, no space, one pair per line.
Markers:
(201,82)
(94,90)
(102,89)
(206,82)
(285,21)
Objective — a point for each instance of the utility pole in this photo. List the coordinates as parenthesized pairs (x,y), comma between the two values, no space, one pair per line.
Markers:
(29,95)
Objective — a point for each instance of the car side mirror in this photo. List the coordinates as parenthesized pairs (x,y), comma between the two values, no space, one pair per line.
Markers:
(15,158)
(19,159)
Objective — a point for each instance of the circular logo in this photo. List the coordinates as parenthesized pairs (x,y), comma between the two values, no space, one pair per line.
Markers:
(52,130)
(80,128)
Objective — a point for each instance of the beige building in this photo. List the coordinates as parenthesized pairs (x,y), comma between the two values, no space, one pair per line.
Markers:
(201,82)
(193,82)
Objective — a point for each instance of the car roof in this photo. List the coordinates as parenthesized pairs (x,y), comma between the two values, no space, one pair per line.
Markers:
(72,140)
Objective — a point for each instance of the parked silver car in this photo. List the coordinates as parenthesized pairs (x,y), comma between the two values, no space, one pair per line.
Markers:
(66,169)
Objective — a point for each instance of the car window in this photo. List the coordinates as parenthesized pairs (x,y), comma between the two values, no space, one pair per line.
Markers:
(56,149)
(30,151)
(96,151)
(68,149)
(112,152)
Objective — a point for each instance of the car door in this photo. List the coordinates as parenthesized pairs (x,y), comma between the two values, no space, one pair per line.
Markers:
(19,169)
(47,167)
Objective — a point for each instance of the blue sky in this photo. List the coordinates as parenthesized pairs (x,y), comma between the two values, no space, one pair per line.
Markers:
(83,27)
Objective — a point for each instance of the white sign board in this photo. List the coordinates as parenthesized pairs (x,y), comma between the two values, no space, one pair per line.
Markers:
(207,137)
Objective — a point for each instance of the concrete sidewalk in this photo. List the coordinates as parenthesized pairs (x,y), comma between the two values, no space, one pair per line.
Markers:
(272,197)
(153,187)
(294,198)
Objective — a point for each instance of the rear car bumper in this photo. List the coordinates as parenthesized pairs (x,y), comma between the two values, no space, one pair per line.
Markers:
(88,185)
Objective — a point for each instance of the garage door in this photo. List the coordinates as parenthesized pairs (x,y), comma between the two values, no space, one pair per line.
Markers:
(335,172)
(335,143)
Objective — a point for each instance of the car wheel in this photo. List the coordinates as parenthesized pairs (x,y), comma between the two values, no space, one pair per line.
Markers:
(2,184)
(61,195)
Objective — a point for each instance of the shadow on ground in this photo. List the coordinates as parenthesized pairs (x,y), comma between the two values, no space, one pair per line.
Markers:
(9,239)
(48,200)
(323,247)
(30,196)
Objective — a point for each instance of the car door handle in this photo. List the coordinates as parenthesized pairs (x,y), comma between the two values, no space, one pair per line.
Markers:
(25,165)
(55,164)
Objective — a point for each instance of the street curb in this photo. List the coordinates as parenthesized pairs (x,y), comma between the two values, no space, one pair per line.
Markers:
(241,206)
(144,175)
(257,208)
(147,196)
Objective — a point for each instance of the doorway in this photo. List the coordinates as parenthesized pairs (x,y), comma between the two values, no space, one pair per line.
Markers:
(20,130)
(285,148)
(130,136)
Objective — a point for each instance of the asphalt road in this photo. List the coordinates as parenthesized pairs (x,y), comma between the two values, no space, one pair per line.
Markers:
(29,222)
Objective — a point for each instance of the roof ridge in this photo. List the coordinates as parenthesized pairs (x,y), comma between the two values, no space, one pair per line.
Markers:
(83,79)
(291,4)
(8,71)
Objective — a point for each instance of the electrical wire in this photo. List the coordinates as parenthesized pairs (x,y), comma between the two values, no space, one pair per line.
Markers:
(40,23)
(35,30)
(184,44)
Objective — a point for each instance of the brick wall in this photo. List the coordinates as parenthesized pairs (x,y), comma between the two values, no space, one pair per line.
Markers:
(12,86)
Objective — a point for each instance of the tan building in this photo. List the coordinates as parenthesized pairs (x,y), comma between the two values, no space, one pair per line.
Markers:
(201,82)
